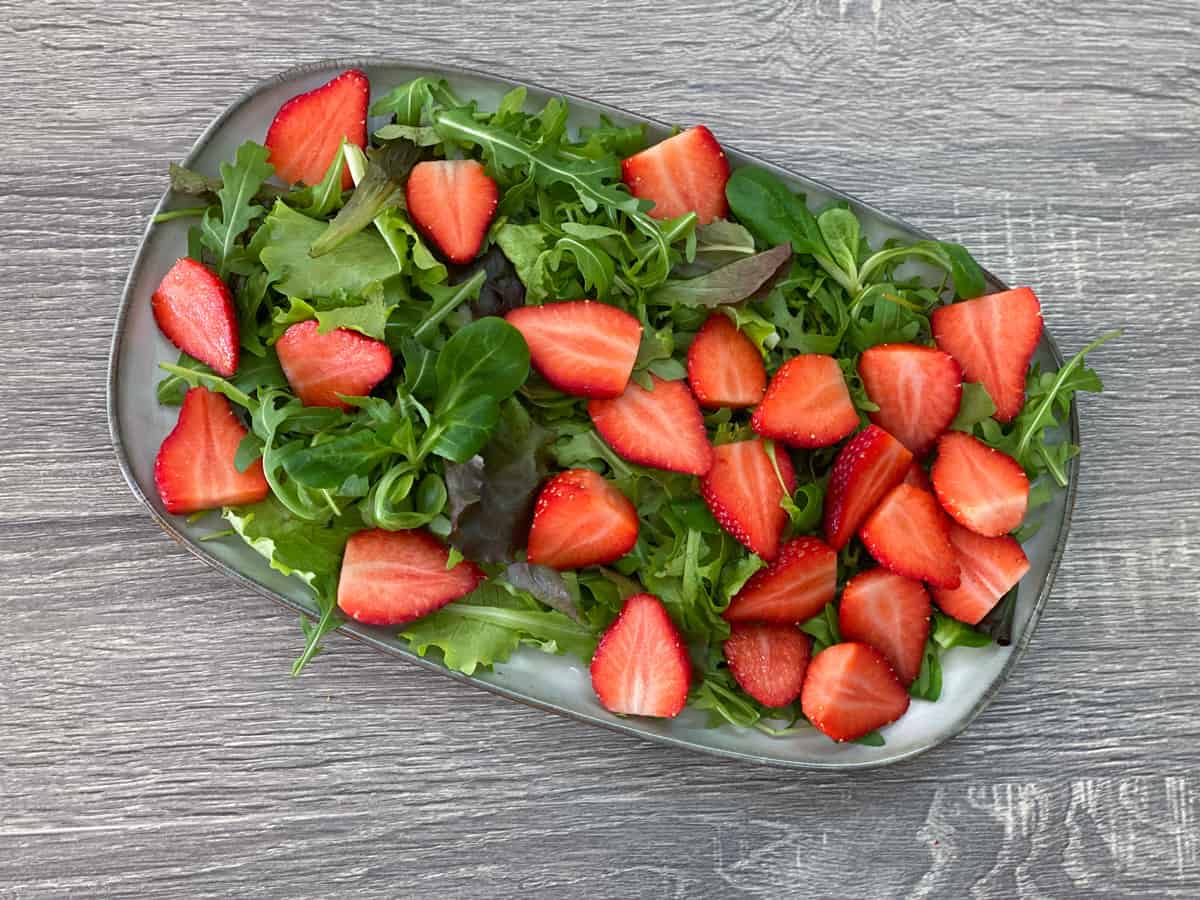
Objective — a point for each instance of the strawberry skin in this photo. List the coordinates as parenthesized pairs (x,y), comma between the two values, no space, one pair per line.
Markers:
(662,428)
(319,367)
(768,661)
(580,520)
(685,173)
(917,389)
(890,613)
(990,567)
(452,202)
(981,488)
(641,666)
(307,131)
(807,404)
(792,589)
(194,309)
(194,468)
(743,493)
(581,347)
(850,690)
(909,534)
(724,367)
(871,464)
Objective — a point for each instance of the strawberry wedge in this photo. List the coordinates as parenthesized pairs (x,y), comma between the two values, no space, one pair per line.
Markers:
(909,534)
(792,589)
(307,131)
(194,309)
(580,519)
(990,566)
(850,690)
(641,666)
(891,613)
(981,488)
(322,368)
(685,173)
(768,661)
(871,464)
(917,389)
(807,404)
(743,493)
(452,201)
(662,428)
(724,367)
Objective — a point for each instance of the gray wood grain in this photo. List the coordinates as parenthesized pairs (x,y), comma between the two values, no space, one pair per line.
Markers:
(151,740)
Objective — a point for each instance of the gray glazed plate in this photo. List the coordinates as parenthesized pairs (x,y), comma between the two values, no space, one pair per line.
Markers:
(556,683)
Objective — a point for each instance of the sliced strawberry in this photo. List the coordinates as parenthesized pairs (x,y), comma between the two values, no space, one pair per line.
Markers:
(792,589)
(993,339)
(807,404)
(452,201)
(319,367)
(724,367)
(743,492)
(768,661)
(581,347)
(982,489)
(685,173)
(891,613)
(850,690)
(909,534)
(917,390)
(662,428)
(990,567)
(641,666)
(871,464)
(194,309)
(194,468)
(307,131)
(917,478)
(581,520)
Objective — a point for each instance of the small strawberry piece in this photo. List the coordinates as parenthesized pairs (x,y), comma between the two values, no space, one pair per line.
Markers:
(917,478)
(393,577)
(792,589)
(909,534)
(319,367)
(743,492)
(980,487)
(662,428)
(580,520)
(724,367)
(891,613)
(452,201)
(768,661)
(685,173)
(917,389)
(807,404)
(993,339)
(194,468)
(990,567)
(194,309)
(581,347)
(641,666)
(850,690)
(871,464)
(307,131)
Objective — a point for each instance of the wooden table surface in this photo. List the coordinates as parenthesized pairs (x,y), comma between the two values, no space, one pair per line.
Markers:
(151,738)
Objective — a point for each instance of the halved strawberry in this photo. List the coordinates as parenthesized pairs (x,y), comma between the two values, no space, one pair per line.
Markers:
(993,339)
(768,661)
(194,309)
(917,478)
(724,367)
(662,428)
(990,567)
(319,367)
(850,690)
(581,347)
(393,577)
(792,589)
(309,128)
(194,468)
(452,201)
(980,487)
(580,520)
(807,404)
(743,492)
(871,464)
(641,666)
(909,534)
(682,174)
(891,613)
(917,389)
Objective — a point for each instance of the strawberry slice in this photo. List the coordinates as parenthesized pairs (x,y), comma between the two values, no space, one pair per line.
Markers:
(917,478)
(993,339)
(891,613)
(909,534)
(194,468)
(452,201)
(850,690)
(871,464)
(319,367)
(990,567)
(307,131)
(980,487)
(641,666)
(580,520)
(807,404)
(662,428)
(685,173)
(743,492)
(768,661)
(581,347)
(393,577)
(917,390)
(792,589)
(724,367)
(194,309)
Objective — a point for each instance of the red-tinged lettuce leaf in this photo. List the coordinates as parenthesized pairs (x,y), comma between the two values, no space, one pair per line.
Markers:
(731,283)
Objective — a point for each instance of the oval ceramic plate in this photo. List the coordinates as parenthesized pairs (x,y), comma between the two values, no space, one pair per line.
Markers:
(556,683)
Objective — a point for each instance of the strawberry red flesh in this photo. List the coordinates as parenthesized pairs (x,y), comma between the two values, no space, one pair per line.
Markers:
(194,309)
(792,589)
(724,367)
(685,173)
(909,534)
(452,201)
(580,519)
(307,131)
(917,389)
(662,428)
(871,464)
(807,404)
(641,666)
(990,567)
(850,690)
(743,492)
(768,661)
(890,613)
(320,367)
(981,488)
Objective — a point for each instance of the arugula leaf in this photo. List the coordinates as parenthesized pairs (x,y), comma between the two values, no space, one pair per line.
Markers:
(240,182)
(322,198)
(731,283)
(408,102)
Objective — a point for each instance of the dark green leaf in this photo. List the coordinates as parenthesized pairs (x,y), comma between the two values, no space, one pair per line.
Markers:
(731,283)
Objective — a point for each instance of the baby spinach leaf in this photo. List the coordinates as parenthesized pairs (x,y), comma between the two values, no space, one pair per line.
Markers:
(731,283)
(487,357)
(840,231)
(328,464)
(459,432)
